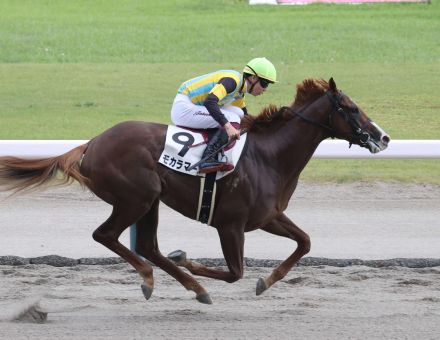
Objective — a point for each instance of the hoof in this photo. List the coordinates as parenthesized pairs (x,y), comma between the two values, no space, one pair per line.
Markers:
(177,256)
(261,286)
(146,291)
(204,298)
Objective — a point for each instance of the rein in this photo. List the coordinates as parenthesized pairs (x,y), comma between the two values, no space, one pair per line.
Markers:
(359,134)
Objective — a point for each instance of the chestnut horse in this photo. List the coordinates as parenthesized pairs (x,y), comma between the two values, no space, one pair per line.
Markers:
(121,167)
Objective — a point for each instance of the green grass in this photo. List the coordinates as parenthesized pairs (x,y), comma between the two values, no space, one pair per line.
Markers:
(78,101)
(71,69)
(343,171)
(199,31)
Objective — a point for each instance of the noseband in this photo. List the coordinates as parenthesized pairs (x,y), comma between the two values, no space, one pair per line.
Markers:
(350,115)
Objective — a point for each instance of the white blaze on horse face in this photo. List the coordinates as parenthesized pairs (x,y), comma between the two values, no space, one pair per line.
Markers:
(380,144)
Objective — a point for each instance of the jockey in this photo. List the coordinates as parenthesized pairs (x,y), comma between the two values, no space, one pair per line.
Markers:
(216,100)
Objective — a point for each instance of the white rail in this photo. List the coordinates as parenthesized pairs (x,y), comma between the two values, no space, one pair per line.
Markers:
(328,149)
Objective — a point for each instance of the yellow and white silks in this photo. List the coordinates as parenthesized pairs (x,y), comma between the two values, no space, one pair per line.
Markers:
(188,109)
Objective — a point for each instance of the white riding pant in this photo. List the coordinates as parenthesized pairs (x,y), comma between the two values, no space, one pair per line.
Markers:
(185,113)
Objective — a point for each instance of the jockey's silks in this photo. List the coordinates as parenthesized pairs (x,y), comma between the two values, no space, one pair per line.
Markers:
(197,89)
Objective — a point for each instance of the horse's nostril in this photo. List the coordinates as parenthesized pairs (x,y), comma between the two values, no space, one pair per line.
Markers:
(386,139)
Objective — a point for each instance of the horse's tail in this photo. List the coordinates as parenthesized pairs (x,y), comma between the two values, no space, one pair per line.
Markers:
(18,174)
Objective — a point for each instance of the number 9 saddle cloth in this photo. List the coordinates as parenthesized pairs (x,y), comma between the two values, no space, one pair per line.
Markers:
(184,147)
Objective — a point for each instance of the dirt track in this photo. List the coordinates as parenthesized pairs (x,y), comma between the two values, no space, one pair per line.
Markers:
(374,221)
(105,302)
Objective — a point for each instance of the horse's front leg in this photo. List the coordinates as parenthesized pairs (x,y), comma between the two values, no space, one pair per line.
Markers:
(232,242)
(283,226)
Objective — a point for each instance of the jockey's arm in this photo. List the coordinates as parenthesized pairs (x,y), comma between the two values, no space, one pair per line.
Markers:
(224,86)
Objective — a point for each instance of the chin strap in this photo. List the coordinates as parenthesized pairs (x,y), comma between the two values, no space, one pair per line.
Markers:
(252,86)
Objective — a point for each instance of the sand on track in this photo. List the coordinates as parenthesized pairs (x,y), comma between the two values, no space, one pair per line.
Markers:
(105,302)
(367,221)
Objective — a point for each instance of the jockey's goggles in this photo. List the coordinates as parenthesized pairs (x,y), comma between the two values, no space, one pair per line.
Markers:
(264,82)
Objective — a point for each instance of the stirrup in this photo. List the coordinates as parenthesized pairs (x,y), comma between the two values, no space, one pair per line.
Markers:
(216,167)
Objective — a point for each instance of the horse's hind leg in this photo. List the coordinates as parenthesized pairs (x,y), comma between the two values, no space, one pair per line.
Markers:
(108,234)
(147,246)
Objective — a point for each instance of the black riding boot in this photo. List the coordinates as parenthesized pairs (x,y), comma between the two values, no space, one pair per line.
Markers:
(212,164)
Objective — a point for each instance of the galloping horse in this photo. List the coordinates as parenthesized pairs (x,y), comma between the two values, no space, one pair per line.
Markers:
(121,167)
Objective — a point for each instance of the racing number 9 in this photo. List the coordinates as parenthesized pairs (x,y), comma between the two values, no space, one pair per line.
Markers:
(185,139)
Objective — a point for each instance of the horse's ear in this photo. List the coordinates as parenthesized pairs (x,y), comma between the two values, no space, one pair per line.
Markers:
(332,84)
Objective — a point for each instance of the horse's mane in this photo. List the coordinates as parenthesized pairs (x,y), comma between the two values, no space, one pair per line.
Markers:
(306,92)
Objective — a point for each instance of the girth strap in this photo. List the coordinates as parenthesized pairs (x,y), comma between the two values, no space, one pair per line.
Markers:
(206,205)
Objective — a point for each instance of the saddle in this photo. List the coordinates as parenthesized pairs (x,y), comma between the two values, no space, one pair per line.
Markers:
(208,133)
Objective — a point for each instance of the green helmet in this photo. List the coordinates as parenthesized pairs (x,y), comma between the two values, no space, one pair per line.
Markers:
(262,68)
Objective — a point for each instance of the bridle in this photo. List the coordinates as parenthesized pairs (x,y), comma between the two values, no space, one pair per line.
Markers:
(351,116)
